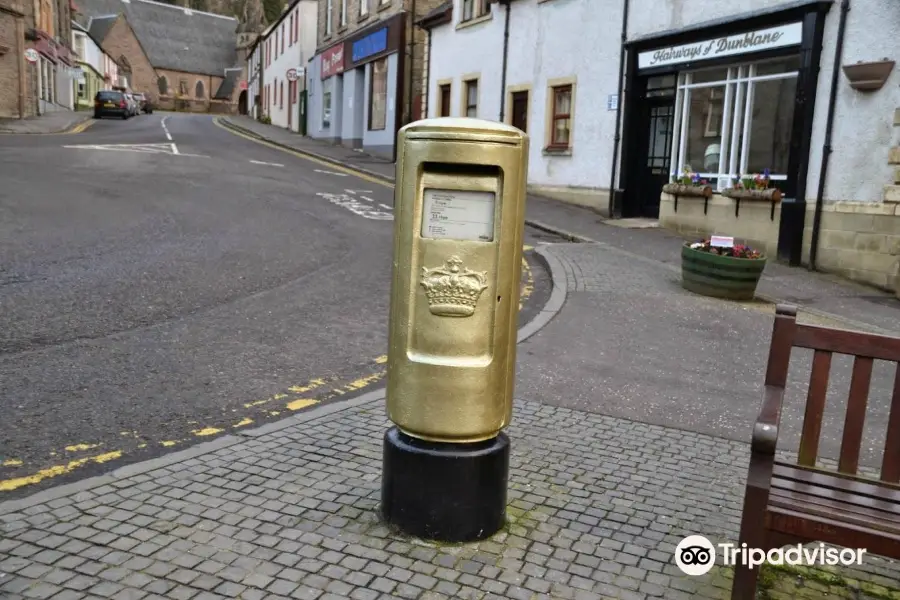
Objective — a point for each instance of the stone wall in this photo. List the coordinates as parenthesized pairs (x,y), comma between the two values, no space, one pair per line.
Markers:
(15,17)
(121,41)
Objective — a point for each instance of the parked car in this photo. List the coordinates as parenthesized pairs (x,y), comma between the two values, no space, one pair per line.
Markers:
(144,104)
(108,103)
(132,103)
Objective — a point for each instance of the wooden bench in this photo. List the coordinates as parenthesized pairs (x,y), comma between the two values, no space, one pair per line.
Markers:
(787,503)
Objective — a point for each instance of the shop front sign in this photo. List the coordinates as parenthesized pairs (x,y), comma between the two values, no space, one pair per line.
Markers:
(372,44)
(333,61)
(742,43)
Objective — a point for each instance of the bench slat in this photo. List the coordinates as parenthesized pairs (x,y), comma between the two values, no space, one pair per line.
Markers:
(890,464)
(811,528)
(842,341)
(837,481)
(815,408)
(835,512)
(844,498)
(860,381)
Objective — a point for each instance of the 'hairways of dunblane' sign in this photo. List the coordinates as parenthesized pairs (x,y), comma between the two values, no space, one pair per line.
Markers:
(742,43)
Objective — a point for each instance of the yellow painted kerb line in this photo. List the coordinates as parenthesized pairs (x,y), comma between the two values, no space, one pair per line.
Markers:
(330,165)
(80,127)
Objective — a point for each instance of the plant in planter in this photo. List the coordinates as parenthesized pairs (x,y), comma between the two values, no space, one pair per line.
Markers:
(756,186)
(721,272)
(688,184)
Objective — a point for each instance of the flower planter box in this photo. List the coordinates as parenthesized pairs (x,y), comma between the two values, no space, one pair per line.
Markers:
(720,276)
(680,189)
(769,194)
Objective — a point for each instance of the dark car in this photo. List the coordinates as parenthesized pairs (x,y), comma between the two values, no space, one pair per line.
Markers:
(109,103)
(144,105)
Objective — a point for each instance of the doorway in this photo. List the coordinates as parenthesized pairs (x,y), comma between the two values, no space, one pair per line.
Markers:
(242,102)
(519,110)
(654,127)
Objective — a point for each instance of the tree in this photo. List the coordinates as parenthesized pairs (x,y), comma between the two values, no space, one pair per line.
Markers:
(273,9)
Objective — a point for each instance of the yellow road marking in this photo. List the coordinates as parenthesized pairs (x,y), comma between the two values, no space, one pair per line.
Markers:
(300,403)
(381,359)
(266,401)
(325,163)
(80,447)
(11,462)
(81,127)
(11,484)
(242,423)
(302,389)
(168,443)
(206,431)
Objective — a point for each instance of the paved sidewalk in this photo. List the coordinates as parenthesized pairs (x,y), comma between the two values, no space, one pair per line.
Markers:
(861,306)
(597,502)
(55,122)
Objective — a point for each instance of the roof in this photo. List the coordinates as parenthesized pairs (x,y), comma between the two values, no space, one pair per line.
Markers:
(99,27)
(226,88)
(174,37)
(439,15)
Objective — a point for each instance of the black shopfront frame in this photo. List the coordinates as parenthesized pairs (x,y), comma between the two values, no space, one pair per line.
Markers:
(635,142)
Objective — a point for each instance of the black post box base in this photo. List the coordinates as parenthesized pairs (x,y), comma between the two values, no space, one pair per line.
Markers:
(442,491)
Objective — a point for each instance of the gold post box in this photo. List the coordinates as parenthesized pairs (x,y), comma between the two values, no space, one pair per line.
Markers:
(459,219)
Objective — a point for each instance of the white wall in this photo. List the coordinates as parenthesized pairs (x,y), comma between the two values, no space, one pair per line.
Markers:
(547,40)
(562,38)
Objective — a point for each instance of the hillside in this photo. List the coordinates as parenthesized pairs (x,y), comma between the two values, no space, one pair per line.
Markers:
(252,11)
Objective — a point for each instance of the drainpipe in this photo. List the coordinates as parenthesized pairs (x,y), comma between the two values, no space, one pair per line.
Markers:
(505,58)
(412,61)
(426,93)
(826,146)
(618,138)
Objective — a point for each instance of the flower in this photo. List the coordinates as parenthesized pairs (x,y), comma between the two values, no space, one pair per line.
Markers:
(736,251)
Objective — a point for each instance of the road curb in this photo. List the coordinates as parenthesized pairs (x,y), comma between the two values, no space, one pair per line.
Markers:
(73,128)
(550,309)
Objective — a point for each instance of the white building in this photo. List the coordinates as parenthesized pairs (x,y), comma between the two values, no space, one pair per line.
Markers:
(255,71)
(723,88)
(285,47)
(98,70)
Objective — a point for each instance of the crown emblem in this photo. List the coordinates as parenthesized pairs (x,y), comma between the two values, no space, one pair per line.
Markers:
(451,290)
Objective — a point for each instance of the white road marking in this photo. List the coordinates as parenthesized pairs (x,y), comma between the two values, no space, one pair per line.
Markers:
(170,149)
(386,206)
(330,172)
(174,149)
(356,207)
(168,136)
(259,162)
(367,199)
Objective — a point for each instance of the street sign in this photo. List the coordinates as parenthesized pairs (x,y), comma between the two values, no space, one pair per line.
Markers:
(31,55)
(243,85)
(292,74)
(301,71)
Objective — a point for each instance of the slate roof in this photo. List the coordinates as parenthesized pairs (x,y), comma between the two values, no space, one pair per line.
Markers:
(436,16)
(226,88)
(99,27)
(173,38)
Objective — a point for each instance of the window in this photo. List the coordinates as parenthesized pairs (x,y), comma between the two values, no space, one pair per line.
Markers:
(471,98)
(182,87)
(378,95)
(329,13)
(291,30)
(384,2)
(518,110)
(326,109)
(163,84)
(561,115)
(444,106)
(199,91)
(732,122)
(281,96)
(343,13)
(363,8)
(79,46)
(472,9)
(282,38)
(296,26)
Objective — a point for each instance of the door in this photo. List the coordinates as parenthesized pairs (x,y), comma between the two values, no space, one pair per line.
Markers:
(519,110)
(654,129)
(445,101)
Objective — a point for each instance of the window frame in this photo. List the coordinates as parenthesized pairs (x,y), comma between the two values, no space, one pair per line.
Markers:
(467,82)
(342,14)
(479,9)
(557,116)
(363,9)
(737,116)
(329,15)
(199,90)
(326,108)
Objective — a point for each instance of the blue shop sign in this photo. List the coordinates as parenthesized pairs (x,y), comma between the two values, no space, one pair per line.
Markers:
(370,45)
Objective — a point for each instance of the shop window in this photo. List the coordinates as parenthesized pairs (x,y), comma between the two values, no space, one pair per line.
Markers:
(472,9)
(471,98)
(444,105)
(378,95)
(326,109)
(736,121)
(561,117)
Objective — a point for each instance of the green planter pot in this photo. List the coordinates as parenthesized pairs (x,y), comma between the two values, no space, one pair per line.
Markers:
(720,276)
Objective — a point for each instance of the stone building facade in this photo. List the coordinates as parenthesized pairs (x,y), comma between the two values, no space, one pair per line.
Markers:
(365,81)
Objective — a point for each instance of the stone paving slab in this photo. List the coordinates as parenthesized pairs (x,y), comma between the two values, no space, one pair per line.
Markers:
(596,507)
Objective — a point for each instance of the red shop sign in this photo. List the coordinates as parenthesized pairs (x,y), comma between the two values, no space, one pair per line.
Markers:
(333,61)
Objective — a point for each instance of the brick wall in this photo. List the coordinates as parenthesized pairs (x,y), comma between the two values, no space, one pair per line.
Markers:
(15,17)
(121,41)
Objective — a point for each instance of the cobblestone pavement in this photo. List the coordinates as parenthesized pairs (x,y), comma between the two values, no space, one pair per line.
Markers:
(54,122)
(596,507)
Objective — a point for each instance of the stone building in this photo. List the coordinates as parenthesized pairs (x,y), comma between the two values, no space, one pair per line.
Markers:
(726,89)
(44,83)
(365,81)
(184,59)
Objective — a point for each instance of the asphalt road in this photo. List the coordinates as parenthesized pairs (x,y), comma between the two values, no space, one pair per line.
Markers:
(163,281)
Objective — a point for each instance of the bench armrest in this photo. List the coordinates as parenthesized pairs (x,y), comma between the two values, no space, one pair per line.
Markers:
(765,431)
